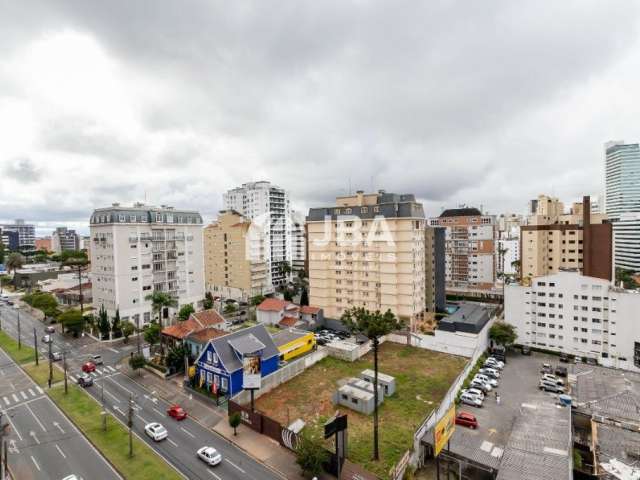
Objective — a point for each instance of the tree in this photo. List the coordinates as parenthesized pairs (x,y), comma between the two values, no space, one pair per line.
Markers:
(43,301)
(175,357)
(304,297)
(234,422)
(285,268)
(160,300)
(103,323)
(503,333)
(207,303)
(516,265)
(72,321)
(127,329)
(136,362)
(257,300)
(116,324)
(627,279)
(15,261)
(310,454)
(288,296)
(1,253)
(230,308)
(185,312)
(152,334)
(372,325)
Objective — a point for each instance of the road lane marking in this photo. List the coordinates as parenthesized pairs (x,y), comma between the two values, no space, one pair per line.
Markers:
(61,452)
(113,350)
(188,432)
(117,409)
(24,395)
(33,394)
(234,465)
(6,400)
(122,387)
(73,379)
(15,398)
(143,420)
(207,471)
(57,425)
(35,463)
(37,419)
(172,442)
(98,371)
(13,427)
(40,390)
(33,434)
(111,368)
(157,411)
(94,374)
(112,396)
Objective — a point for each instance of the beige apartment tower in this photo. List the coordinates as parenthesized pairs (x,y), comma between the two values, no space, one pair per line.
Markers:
(234,262)
(553,240)
(368,251)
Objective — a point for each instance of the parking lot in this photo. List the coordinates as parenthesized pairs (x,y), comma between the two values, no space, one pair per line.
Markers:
(518,385)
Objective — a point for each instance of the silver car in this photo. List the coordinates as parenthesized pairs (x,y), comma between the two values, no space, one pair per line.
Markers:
(209,455)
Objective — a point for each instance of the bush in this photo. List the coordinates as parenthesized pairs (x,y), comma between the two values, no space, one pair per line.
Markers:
(45,302)
(310,454)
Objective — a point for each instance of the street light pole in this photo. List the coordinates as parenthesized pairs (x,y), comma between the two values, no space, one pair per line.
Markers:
(50,364)
(64,363)
(35,344)
(130,424)
(138,329)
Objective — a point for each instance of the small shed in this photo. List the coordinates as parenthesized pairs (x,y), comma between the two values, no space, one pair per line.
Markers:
(355,398)
(387,382)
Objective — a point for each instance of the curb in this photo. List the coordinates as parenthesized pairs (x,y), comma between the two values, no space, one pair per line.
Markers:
(239,447)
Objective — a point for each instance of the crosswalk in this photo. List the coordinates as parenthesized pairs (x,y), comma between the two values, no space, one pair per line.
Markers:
(15,398)
(105,371)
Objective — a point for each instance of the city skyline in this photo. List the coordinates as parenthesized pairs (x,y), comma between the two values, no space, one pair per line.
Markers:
(181,109)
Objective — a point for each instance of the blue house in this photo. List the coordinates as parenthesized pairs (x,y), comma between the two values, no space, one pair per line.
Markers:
(220,361)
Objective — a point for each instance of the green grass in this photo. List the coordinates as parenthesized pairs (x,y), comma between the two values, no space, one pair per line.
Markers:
(114,443)
(422,379)
(23,355)
(40,374)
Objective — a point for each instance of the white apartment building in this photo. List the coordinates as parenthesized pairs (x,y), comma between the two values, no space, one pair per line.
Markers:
(63,239)
(140,249)
(578,315)
(508,253)
(267,206)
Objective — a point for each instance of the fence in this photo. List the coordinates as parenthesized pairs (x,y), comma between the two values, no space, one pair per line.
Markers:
(283,375)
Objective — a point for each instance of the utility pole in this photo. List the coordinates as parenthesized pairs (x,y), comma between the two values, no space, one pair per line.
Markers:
(50,364)
(138,329)
(130,424)
(104,410)
(35,343)
(19,339)
(64,363)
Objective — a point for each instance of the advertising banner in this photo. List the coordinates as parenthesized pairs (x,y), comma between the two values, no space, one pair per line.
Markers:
(251,377)
(444,429)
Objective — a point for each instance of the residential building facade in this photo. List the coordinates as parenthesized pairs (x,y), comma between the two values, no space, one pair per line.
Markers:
(622,200)
(26,233)
(267,206)
(234,263)
(10,239)
(142,249)
(470,248)
(368,250)
(298,243)
(579,315)
(44,244)
(553,240)
(63,239)
(435,267)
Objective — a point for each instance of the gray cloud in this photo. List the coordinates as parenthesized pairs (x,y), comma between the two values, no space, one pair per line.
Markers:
(23,170)
(453,101)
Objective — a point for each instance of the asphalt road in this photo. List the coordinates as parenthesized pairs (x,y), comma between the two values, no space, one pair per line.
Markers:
(185,437)
(43,444)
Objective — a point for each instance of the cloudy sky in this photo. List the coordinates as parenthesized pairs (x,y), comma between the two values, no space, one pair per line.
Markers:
(483,103)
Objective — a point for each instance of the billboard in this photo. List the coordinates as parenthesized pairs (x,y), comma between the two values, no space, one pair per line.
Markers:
(444,429)
(251,377)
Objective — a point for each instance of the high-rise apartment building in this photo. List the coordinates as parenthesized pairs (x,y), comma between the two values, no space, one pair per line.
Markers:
(298,242)
(234,263)
(435,267)
(622,200)
(553,240)
(141,249)
(470,251)
(26,233)
(578,315)
(63,239)
(267,206)
(368,250)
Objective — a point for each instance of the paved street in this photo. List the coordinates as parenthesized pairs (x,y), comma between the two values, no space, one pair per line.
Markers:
(43,444)
(185,437)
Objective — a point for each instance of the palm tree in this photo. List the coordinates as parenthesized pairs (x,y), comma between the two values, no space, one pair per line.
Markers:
(372,325)
(160,300)
(15,261)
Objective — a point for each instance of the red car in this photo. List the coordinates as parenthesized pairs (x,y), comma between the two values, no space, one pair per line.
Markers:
(177,412)
(467,420)
(89,367)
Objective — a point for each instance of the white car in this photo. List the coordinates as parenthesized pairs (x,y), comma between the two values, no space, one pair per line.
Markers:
(469,399)
(480,385)
(490,372)
(474,391)
(209,455)
(552,378)
(491,381)
(156,431)
(493,363)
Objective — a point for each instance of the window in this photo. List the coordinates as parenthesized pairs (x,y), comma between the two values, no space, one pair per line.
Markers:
(134,279)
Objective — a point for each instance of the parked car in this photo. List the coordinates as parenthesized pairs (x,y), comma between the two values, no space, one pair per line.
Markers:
(467,420)
(97,359)
(552,378)
(492,362)
(592,361)
(50,329)
(480,385)
(85,380)
(577,359)
(491,381)
(549,386)
(56,356)
(47,339)
(156,431)
(526,350)
(564,358)
(490,372)
(177,412)
(475,391)
(472,400)
(546,368)
(209,455)
(89,367)
(561,371)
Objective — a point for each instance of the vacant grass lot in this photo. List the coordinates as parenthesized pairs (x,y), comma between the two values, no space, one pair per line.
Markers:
(422,379)
(23,355)
(114,443)
(40,374)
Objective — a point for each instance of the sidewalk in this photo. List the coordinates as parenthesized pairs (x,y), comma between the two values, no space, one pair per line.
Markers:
(260,447)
